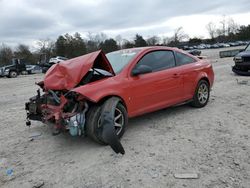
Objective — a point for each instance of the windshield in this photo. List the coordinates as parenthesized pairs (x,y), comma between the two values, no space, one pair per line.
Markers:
(248,48)
(119,59)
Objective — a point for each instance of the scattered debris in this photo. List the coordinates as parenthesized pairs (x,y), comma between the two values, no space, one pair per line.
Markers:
(242,82)
(153,173)
(34,135)
(151,154)
(186,176)
(31,139)
(236,162)
(9,172)
(38,184)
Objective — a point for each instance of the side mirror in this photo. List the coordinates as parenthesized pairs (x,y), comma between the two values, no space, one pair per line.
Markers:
(141,69)
(241,50)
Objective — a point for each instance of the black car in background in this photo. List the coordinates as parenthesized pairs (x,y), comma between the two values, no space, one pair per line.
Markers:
(242,62)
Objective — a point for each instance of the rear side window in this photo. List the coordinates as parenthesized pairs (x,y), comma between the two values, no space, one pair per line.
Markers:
(158,60)
(183,59)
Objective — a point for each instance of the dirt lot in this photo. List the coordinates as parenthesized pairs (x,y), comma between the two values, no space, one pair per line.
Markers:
(213,142)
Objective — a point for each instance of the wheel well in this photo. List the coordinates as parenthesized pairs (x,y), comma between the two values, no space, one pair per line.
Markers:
(107,97)
(206,79)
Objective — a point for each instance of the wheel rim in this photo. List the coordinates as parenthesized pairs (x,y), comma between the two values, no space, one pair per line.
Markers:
(119,121)
(203,93)
(13,74)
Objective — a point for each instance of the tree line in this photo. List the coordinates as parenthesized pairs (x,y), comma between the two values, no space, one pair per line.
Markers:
(71,46)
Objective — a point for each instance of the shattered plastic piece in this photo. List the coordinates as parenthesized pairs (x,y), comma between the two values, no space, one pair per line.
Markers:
(31,139)
(243,82)
(186,176)
(38,184)
(9,172)
(35,134)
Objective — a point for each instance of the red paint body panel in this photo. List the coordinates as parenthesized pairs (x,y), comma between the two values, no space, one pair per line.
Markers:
(141,94)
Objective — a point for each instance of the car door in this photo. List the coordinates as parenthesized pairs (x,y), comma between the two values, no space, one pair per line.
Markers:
(189,72)
(158,89)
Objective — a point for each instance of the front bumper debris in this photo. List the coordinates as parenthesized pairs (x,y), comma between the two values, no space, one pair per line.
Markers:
(49,108)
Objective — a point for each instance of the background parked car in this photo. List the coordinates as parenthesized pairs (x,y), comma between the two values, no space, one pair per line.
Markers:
(12,70)
(57,59)
(242,62)
(46,65)
(33,69)
(194,52)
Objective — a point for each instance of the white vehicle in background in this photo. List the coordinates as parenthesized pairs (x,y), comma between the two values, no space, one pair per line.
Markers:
(57,59)
(33,69)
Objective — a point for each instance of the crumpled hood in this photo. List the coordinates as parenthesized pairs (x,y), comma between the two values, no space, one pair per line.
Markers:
(67,74)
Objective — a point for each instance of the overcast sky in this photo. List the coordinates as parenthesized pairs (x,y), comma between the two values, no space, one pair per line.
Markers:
(25,21)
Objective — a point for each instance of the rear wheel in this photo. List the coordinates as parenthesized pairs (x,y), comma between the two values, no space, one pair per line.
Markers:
(201,95)
(13,74)
(94,127)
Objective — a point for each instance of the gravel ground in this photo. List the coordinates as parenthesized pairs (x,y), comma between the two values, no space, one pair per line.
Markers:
(213,142)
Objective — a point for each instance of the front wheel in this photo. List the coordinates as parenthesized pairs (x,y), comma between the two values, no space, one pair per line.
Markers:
(13,74)
(201,95)
(93,121)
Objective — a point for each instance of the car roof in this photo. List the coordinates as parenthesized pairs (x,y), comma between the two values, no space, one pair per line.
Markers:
(142,49)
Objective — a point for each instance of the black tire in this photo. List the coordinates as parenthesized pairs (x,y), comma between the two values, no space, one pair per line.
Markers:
(94,131)
(12,74)
(200,100)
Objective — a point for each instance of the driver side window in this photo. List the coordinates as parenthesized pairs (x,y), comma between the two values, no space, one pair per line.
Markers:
(158,60)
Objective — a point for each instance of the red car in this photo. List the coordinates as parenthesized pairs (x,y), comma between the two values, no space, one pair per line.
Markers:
(123,84)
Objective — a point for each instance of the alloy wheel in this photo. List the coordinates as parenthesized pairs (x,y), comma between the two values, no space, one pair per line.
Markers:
(203,93)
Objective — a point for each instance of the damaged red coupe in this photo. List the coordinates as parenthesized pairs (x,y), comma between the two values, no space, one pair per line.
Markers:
(84,94)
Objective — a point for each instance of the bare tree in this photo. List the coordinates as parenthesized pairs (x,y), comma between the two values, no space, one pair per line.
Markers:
(152,41)
(223,23)
(46,47)
(179,35)
(232,26)
(100,37)
(211,28)
(165,40)
(6,54)
(227,26)
(119,40)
